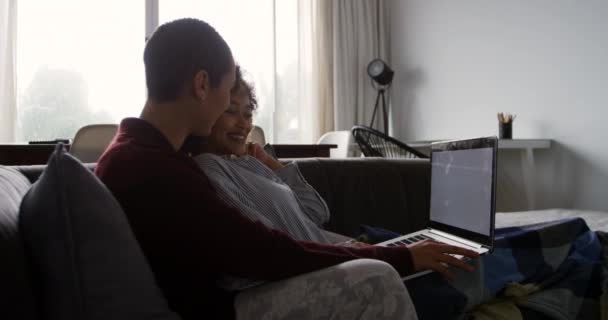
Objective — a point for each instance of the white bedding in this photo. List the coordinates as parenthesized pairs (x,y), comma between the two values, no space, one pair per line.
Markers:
(596,220)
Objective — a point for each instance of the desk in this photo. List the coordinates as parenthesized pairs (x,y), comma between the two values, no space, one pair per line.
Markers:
(26,154)
(527,162)
(30,154)
(302,150)
(527,159)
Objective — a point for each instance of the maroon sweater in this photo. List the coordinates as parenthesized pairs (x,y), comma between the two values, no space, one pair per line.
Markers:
(190,236)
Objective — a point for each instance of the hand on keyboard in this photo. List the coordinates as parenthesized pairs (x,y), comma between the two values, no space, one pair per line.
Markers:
(433,255)
(353,243)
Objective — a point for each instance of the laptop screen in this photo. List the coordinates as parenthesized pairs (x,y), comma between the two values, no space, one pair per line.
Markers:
(463,175)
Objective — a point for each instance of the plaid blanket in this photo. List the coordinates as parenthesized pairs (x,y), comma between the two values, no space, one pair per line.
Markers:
(554,270)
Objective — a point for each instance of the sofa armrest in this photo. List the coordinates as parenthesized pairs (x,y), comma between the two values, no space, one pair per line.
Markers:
(358,289)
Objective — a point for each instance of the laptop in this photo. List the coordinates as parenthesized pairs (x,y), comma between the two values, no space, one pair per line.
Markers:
(463,197)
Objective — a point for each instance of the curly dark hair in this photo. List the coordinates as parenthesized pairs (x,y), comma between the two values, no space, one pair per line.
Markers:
(241,84)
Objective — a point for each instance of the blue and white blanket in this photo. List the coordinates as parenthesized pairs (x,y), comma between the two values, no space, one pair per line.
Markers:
(553,270)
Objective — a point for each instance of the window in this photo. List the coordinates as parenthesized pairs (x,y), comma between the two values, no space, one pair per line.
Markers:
(79,62)
(82,62)
(294,98)
(266,40)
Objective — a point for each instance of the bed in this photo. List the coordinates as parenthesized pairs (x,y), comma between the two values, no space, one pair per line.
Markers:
(596,220)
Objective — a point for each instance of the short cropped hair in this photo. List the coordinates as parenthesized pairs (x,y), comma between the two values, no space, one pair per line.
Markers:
(177,50)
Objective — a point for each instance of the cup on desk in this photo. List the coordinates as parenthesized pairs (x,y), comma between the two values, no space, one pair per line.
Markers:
(505,130)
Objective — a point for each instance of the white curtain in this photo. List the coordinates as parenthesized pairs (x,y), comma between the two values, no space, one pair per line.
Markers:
(8,96)
(350,34)
(326,86)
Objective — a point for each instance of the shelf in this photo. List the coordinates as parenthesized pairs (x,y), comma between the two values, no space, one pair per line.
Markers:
(524,143)
(502,143)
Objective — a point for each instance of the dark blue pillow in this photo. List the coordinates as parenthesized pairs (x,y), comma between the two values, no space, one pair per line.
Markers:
(87,260)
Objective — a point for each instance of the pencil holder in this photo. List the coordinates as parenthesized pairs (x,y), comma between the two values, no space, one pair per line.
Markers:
(505,130)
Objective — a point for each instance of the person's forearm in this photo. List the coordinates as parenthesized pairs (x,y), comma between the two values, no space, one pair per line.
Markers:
(255,252)
(219,238)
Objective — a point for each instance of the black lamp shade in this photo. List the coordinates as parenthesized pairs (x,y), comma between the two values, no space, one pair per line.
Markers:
(380,72)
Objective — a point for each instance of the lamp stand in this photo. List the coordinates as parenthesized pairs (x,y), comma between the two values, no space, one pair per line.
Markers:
(381,92)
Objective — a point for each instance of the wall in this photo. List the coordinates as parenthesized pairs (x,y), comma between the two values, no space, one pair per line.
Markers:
(458,63)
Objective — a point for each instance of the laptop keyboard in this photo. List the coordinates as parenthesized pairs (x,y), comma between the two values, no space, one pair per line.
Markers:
(418,238)
(410,240)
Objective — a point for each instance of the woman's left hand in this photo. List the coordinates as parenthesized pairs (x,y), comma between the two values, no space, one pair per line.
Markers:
(256,151)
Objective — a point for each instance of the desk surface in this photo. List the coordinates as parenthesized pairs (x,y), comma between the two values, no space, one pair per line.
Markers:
(502,143)
(25,154)
(29,154)
(524,143)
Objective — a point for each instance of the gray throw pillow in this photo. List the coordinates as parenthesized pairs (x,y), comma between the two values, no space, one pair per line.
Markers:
(17,299)
(87,260)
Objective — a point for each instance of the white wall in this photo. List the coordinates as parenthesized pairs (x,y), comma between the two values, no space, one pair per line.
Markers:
(458,63)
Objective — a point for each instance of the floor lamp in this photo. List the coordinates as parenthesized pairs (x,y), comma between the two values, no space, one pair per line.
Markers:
(382,76)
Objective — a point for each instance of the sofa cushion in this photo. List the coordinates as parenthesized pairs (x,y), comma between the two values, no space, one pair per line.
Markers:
(89,263)
(389,193)
(16,292)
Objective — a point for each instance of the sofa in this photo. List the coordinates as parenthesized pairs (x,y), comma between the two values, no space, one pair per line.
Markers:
(387,193)
(391,194)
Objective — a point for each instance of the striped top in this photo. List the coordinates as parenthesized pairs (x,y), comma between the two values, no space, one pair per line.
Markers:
(281,200)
